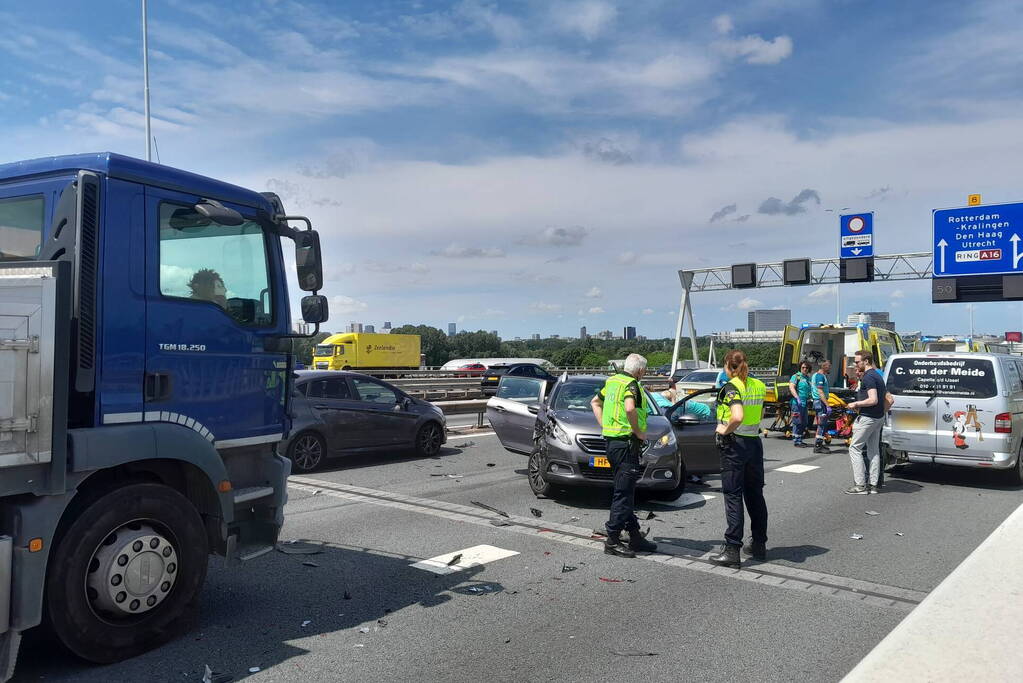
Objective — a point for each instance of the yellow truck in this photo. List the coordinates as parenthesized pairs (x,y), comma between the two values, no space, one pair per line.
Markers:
(365,351)
(837,343)
(960,344)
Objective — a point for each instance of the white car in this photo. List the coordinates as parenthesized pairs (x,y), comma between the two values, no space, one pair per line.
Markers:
(696,380)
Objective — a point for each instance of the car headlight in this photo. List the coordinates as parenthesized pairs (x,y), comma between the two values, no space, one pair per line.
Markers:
(667,440)
(560,434)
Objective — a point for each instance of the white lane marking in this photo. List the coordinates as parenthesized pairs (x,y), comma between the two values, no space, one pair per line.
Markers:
(687,499)
(797,469)
(470,557)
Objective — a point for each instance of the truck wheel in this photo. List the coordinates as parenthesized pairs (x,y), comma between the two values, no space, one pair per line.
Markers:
(428,440)
(306,452)
(125,575)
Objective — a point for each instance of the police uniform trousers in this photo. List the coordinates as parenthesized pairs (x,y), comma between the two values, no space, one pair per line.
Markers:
(624,454)
(742,481)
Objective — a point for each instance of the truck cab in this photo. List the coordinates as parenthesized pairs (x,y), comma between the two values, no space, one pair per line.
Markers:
(837,343)
(145,314)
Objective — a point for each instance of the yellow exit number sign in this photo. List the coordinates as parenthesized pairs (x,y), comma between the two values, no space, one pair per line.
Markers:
(973,200)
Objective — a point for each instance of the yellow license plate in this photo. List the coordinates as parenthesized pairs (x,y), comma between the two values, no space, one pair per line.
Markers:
(914,421)
(492,379)
(599,461)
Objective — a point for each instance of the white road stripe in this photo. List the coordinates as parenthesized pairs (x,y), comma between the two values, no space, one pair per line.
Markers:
(797,469)
(470,557)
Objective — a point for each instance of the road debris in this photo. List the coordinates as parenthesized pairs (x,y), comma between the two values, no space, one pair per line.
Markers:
(467,444)
(573,519)
(899,533)
(300,548)
(364,629)
(607,580)
(500,522)
(317,492)
(211,676)
(491,464)
(307,563)
(346,596)
(634,653)
(382,623)
(565,568)
(535,512)
(488,507)
(253,669)
(306,622)
(857,537)
(872,512)
(454,560)
(358,645)
(650,515)
(507,640)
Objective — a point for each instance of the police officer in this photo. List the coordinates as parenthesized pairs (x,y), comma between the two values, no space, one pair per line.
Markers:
(620,407)
(740,408)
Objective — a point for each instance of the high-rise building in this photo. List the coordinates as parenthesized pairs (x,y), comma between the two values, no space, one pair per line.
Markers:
(605,334)
(354,327)
(582,332)
(387,327)
(369,329)
(494,332)
(766,321)
(452,328)
(880,319)
(536,336)
(629,332)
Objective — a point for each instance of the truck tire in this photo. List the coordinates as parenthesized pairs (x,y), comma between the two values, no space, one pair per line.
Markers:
(125,575)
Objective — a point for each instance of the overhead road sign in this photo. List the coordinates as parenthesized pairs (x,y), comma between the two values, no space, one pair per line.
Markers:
(978,240)
(856,235)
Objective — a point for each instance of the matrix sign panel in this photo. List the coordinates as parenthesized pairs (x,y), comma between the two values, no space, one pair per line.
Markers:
(978,240)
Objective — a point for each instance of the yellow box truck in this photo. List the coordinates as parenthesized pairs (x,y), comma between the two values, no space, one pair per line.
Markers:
(364,351)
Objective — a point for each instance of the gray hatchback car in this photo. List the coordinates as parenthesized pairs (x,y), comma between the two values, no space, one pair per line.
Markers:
(565,448)
(337,413)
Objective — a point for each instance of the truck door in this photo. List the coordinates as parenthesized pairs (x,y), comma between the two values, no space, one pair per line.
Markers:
(788,358)
(212,300)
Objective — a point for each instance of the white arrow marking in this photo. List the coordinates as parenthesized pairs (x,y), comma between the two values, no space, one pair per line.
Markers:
(943,244)
(856,252)
(1016,256)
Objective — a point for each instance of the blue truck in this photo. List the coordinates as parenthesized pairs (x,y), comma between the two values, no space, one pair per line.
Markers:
(145,374)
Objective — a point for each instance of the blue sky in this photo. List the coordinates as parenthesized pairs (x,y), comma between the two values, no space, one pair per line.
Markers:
(537,166)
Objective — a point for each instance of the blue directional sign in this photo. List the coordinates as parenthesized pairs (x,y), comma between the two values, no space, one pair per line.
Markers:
(978,240)
(856,235)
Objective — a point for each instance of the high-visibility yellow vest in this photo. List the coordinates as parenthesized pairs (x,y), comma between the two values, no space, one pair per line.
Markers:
(752,395)
(616,422)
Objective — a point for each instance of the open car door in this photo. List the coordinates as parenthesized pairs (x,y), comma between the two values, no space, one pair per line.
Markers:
(512,411)
(695,429)
(788,359)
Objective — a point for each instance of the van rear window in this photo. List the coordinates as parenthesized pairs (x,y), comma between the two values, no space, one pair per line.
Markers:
(954,377)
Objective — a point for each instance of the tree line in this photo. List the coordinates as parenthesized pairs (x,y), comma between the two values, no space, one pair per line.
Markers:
(439,348)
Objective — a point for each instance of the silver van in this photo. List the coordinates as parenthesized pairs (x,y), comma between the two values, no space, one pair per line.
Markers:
(961,409)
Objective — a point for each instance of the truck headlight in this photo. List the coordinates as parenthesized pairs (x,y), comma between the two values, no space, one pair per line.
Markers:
(666,440)
(560,434)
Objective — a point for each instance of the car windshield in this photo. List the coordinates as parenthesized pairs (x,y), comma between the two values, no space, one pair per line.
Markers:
(953,377)
(701,376)
(324,350)
(576,395)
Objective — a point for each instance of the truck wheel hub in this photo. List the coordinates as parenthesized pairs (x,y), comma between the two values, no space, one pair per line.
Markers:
(132,571)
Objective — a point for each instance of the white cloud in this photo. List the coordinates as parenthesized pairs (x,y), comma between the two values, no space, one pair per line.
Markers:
(755,50)
(596,310)
(723,24)
(588,18)
(456,251)
(627,258)
(744,304)
(822,293)
(897,294)
(493,313)
(648,311)
(558,237)
(544,307)
(594,293)
(346,304)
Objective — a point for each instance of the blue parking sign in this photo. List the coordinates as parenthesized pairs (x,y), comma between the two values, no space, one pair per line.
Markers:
(856,235)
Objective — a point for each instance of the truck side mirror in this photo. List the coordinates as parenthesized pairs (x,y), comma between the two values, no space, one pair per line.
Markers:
(314,308)
(308,262)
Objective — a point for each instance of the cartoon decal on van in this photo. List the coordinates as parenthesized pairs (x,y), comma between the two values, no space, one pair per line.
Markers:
(961,419)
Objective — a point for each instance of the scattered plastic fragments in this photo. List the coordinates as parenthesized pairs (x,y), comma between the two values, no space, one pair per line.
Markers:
(872,512)
(211,676)
(359,645)
(535,512)
(633,653)
(306,623)
(899,533)
(606,580)
(491,464)
(253,669)
(500,522)
(573,519)
(566,568)
(856,537)
(346,596)
(547,552)
(507,640)
(300,548)
(650,515)
(307,563)
(364,629)
(317,492)
(382,623)
(454,560)
(488,507)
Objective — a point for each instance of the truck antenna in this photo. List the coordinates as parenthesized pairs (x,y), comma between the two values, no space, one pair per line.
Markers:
(145,70)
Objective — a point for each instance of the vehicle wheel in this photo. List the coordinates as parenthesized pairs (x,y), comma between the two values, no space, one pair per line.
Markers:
(534,472)
(307,452)
(125,575)
(675,493)
(428,440)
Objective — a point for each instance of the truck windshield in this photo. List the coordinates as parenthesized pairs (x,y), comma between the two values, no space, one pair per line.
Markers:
(952,377)
(21,227)
(324,350)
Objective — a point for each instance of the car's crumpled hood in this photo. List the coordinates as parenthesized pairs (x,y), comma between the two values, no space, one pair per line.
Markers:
(583,422)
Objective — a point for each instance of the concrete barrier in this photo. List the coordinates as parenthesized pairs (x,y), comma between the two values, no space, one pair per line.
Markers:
(968,628)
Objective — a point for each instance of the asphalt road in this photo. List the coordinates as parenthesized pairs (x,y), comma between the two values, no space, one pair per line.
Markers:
(559,609)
